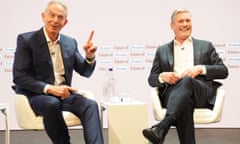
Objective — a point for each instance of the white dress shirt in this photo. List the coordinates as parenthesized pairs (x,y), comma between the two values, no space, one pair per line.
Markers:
(56,57)
(183,55)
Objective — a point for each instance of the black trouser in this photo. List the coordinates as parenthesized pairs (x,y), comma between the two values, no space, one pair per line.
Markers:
(180,100)
(51,108)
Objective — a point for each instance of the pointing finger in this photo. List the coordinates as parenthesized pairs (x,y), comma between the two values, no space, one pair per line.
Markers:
(90,37)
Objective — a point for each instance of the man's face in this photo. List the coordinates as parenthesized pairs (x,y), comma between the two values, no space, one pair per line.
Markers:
(55,19)
(182,26)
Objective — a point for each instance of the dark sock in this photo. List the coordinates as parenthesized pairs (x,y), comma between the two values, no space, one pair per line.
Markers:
(166,122)
(163,127)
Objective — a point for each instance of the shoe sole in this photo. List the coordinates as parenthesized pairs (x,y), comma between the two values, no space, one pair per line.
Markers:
(150,136)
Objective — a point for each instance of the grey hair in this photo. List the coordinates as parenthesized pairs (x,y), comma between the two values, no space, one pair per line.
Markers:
(57,2)
(177,11)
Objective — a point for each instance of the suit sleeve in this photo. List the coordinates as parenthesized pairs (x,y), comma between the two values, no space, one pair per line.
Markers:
(83,67)
(159,65)
(75,61)
(215,68)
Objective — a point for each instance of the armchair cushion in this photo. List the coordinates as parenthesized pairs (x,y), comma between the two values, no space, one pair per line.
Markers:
(27,119)
(201,115)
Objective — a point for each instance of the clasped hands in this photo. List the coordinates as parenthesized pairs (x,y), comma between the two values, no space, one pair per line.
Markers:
(62,91)
(173,77)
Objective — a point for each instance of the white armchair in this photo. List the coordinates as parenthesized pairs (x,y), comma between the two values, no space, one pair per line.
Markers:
(27,119)
(201,115)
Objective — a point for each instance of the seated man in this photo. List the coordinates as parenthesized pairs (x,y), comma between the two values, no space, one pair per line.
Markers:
(184,71)
(43,68)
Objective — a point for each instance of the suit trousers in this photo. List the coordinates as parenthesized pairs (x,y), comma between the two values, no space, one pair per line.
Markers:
(181,99)
(51,107)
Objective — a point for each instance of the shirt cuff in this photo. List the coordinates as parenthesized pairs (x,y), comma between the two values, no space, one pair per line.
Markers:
(46,88)
(90,60)
(204,70)
(160,79)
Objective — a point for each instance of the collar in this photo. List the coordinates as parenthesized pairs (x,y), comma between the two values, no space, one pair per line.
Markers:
(47,37)
(188,40)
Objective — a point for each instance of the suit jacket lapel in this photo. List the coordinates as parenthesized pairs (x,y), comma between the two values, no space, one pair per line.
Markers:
(43,46)
(43,50)
(170,55)
(196,51)
(64,47)
(65,52)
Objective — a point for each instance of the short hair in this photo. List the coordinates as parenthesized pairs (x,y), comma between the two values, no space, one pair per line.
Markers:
(57,2)
(177,11)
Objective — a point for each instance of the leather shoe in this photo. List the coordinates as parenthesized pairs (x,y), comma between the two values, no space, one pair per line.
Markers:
(155,135)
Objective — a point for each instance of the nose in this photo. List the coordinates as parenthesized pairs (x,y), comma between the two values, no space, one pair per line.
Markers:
(55,19)
(184,23)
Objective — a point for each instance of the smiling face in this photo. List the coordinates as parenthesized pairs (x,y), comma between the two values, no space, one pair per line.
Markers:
(54,18)
(181,25)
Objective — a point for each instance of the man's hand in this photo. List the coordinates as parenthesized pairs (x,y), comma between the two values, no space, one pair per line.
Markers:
(62,91)
(193,71)
(89,48)
(170,77)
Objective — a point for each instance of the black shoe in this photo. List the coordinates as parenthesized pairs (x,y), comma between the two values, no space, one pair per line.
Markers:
(155,135)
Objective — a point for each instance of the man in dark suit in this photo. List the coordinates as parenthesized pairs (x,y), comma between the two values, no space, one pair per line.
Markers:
(43,68)
(184,71)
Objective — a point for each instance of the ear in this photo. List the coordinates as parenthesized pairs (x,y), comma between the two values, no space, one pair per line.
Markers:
(66,21)
(171,25)
(43,16)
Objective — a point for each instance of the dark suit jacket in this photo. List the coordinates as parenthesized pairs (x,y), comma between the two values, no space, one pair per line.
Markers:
(204,54)
(33,68)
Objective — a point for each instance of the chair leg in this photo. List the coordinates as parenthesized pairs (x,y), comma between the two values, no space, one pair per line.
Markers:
(5,112)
